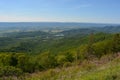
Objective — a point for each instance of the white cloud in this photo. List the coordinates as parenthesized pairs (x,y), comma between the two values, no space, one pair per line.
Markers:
(20,19)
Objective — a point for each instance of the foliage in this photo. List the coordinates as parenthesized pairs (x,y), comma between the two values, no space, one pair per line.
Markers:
(57,53)
(10,71)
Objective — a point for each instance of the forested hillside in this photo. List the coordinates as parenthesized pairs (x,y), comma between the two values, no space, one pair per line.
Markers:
(47,56)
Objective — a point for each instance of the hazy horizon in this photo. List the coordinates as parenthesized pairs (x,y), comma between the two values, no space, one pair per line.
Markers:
(57,22)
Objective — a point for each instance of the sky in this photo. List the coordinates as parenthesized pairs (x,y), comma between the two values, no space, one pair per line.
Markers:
(95,11)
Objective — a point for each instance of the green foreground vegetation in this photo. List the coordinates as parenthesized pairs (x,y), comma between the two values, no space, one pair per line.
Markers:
(86,71)
(90,57)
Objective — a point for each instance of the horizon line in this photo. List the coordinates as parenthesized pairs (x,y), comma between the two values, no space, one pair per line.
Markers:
(54,22)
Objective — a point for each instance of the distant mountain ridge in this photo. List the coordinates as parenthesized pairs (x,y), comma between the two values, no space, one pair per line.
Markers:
(24,26)
(83,31)
(65,33)
(109,29)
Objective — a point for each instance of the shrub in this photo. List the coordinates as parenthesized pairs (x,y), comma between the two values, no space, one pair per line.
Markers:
(10,71)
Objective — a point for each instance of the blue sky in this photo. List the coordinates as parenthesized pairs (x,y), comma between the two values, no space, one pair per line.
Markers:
(100,11)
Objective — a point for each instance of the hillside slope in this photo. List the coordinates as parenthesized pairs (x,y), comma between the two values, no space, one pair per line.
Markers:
(86,71)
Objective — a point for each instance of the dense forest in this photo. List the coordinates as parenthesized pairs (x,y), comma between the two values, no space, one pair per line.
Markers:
(39,55)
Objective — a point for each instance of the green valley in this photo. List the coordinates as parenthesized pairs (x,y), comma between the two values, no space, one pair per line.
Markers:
(76,54)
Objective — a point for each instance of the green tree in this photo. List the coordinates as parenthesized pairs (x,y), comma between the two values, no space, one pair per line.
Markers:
(90,49)
(23,62)
(69,57)
(116,43)
(61,59)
